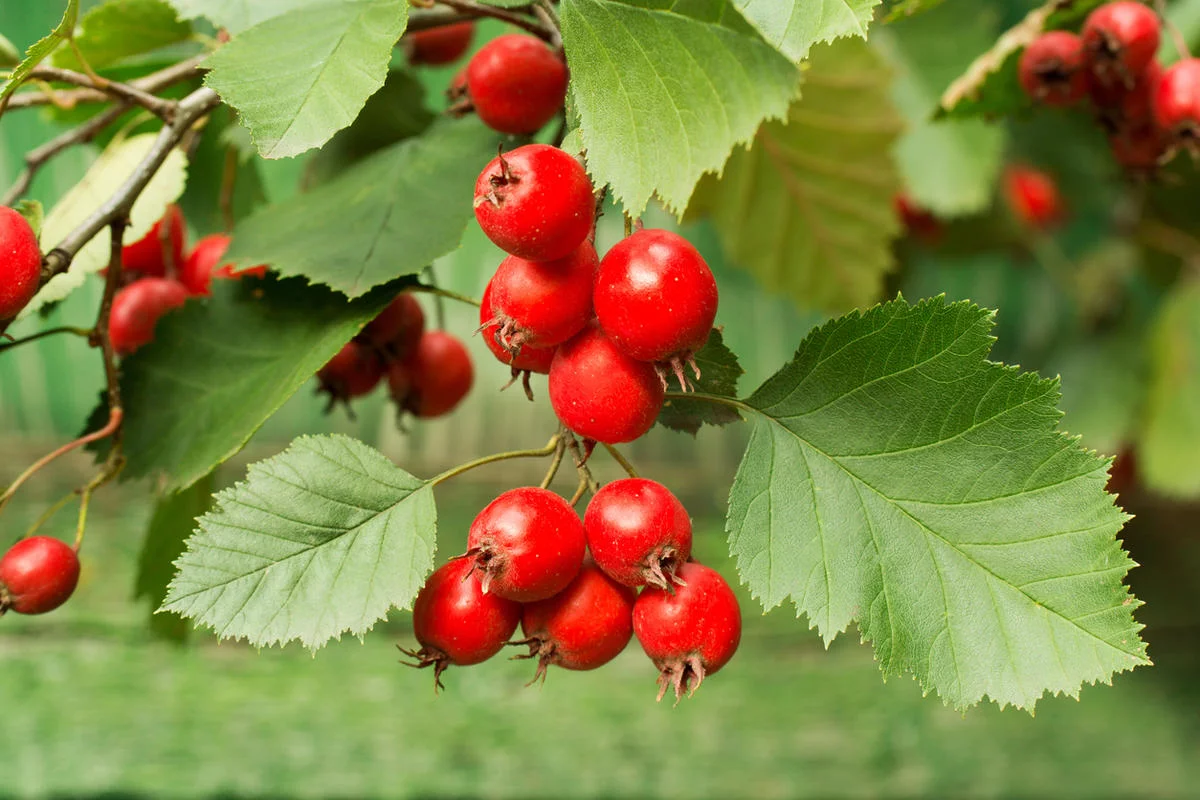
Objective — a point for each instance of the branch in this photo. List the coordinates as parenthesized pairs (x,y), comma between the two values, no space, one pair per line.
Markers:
(468,9)
(151,84)
(121,91)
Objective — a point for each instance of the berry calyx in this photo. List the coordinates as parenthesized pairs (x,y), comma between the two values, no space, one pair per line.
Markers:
(1051,69)
(543,303)
(526,545)
(516,83)
(456,622)
(442,45)
(435,378)
(20,263)
(37,575)
(690,633)
(1120,40)
(397,330)
(203,264)
(583,627)
(601,393)
(638,532)
(535,202)
(160,252)
(353,372)
(1177,101)
(1033,196)
(525,361)
(137,308)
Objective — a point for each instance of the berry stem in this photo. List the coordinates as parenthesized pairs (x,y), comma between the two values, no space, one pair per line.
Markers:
(43,334)
(620,459)
(447,293)
(559,451)
(1177,37)
(50,512)
(549,449)
(579,490)
(439,299)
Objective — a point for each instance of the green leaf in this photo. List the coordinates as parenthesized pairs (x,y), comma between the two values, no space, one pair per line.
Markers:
(218,368)
(808,207)
(907,8)
(299,78)
(662,98)
(1103,387)
(173,521)
(389,215)
(114,166)
(1169,448)
(118,29)
(898,479)
(9,55)
(719,373)
(794,26)
(39,50)
(949,166)
(237,15)
(34,214)
(322,539)
(222,186)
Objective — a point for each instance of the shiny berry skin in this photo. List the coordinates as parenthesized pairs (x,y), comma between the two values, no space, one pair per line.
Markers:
(137,308)
(159,252)
(1177,100)
(1033,196)
(535,202)
(656,298)
(516,83)
(37,575)
(204,263)
(442,45)
(440,374)
(20,263)
(397,330)
(583,627)
(353,372)
(527,359)
(602,394)
(1051,69)
(919,222)
(456,622)
(638,532)
(527,544)
(1120,40)
(691,633)
(543,303)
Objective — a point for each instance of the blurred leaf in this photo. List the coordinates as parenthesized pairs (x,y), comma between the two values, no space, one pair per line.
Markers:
(34,214)
(900,9)
(237,15)
(1169,448)
(389,215)
(222,186)
(808,207)
(897,478)
(719,373)
(9,55)
(1103,387)
(217,368)
(298,78)
(322,539)
(118,29)
(653,117)
(39,50)
(794,26)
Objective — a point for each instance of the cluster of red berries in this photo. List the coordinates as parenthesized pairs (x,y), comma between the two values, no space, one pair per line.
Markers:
(607,331)
(428,372)
(527,563)
(1148,112)
(37,575)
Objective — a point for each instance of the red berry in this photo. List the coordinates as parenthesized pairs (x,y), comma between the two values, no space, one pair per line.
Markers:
(543,303)
(918,221)
(1140,149)
(456,622)
(527,359)
(159,252)
(1120,40)
(583,627)
(37,575)
(437,46)
(516,83)
(535,202)
(656,298)
(1033,196)
(353,372)
(137,308)
(397,329)
(20,263)
(1123,474)
(1051,69)
(689,633)
(601,393)
(1177,100)
(439,373)
(638,532)
(204,263)
(527,544)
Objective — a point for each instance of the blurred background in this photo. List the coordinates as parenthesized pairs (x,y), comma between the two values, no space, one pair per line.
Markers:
(99,699)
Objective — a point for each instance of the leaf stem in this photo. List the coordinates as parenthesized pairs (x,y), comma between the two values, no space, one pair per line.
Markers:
(42,335)
(731,402)
(620,459)
(435,290)
(549,449)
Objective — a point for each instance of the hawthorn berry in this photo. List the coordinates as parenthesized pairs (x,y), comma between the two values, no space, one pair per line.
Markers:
(137,308)
(602,394)
(397,329)
(20,263)
(203,264)
(1051,69)
(456,622)
(535,202)
(1120,40)
(527,544)
(1177,100)
(638,532)
(353,372)
(526,361)
(437,376)
(437,46)
(37,575)
(516,83)
(1123,472)
(1033,196)
(918,221)
(543,303)
(583,627)
(1140,149)
(160,252)
(691,632)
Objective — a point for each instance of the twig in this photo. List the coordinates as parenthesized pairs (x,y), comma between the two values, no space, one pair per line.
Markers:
(1177,37)
(468,8)
(544,11)
(112,281)
(427,289)
(151,84)
(42,335)
(549,449)
(121,91)
(439,299)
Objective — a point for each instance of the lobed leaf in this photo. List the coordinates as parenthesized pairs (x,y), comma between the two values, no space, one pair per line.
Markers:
(719,373)
(794,26)
(236,16)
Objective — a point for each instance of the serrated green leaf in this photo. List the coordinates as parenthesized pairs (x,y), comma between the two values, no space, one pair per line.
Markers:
(1169,448)
(39,50)
(299,78)
(236,16)
(808,207)
(662,98)
(719,373)
(114,166)
(389,215)
(34,214)
(218,368)
(118,29)
(794,26)
(320,540)
(898,479)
